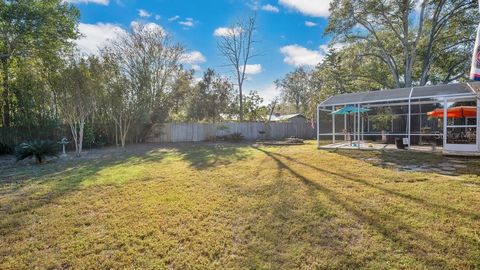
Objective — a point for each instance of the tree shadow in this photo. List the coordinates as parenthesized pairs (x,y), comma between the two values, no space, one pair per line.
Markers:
(396,157)
(36,186)
(278,225)
(204,156)
(18,172)
(406,160)
(419,201)
(413,242)
(24,188)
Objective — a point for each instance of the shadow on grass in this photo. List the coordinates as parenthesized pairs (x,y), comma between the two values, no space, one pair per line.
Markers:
(41,185)
(411,158)
(400,158)
(205,156)
(419,201)
(283,226)
(413,242)
(26,188)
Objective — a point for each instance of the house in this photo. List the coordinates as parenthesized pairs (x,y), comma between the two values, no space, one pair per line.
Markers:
(435,115)
(289,118)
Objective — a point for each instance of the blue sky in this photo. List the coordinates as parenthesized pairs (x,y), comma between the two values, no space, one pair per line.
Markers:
(290,32)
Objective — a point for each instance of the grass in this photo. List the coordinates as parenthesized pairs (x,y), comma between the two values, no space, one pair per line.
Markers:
(236,206)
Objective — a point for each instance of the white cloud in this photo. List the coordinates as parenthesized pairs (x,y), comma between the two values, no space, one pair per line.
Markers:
(100,2)
(143,13)
(326,47)
(158,17)
(174,18)
(310,24)
(268,93)
(296,55)
(270,8)
(225,31)
(197,80)
(253,69)
(148,26)
(96,35)
(186,23)
(194,57)
(314,8)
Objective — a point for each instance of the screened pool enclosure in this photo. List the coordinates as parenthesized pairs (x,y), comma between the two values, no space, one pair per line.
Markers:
(441,117)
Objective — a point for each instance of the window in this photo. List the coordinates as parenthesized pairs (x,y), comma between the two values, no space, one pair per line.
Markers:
(462,121)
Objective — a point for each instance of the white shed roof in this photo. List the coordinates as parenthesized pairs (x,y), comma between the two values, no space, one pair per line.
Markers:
(285,117)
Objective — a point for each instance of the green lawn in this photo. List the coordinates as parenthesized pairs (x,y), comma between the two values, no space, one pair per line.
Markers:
(237,206)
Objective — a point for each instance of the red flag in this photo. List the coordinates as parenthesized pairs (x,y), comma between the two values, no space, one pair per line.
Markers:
(475,69)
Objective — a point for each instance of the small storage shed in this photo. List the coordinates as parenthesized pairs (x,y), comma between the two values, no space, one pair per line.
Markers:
(289,118)
(442,115)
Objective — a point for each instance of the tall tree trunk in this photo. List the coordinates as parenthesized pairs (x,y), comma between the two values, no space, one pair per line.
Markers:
(124,128)
(73,129)
(406,44)
(6,94)
(240,94)
(80,138)
(408,69)
(123,138)
(427,59)
(77,134)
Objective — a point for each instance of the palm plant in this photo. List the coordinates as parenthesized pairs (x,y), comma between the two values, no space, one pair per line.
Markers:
(37,149)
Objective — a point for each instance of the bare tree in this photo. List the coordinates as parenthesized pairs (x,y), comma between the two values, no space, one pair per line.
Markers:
(236,45)
(149,59)
(143,64)
(272,106)
(76,89)
(120,98)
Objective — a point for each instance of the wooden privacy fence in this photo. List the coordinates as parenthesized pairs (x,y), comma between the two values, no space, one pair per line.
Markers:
(195,132)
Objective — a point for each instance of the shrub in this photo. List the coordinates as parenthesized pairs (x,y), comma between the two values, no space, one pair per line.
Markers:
(5,149)
(235,137)
(37,149)
(295,140)
(220,133)
(221,137)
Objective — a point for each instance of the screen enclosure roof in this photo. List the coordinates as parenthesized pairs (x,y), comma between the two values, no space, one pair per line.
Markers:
(430,91)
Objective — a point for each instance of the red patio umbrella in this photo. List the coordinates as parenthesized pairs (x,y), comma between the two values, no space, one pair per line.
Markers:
(455,112)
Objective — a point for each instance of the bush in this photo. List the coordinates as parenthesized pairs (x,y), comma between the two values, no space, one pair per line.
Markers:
(295,140)
(37,149)
(235,137)
(5,149)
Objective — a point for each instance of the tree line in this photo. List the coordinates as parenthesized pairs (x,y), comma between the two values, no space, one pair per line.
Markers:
(384,44)
(136,80)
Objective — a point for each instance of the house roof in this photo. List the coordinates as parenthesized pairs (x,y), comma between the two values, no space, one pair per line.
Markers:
(431,91)
(285,117)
